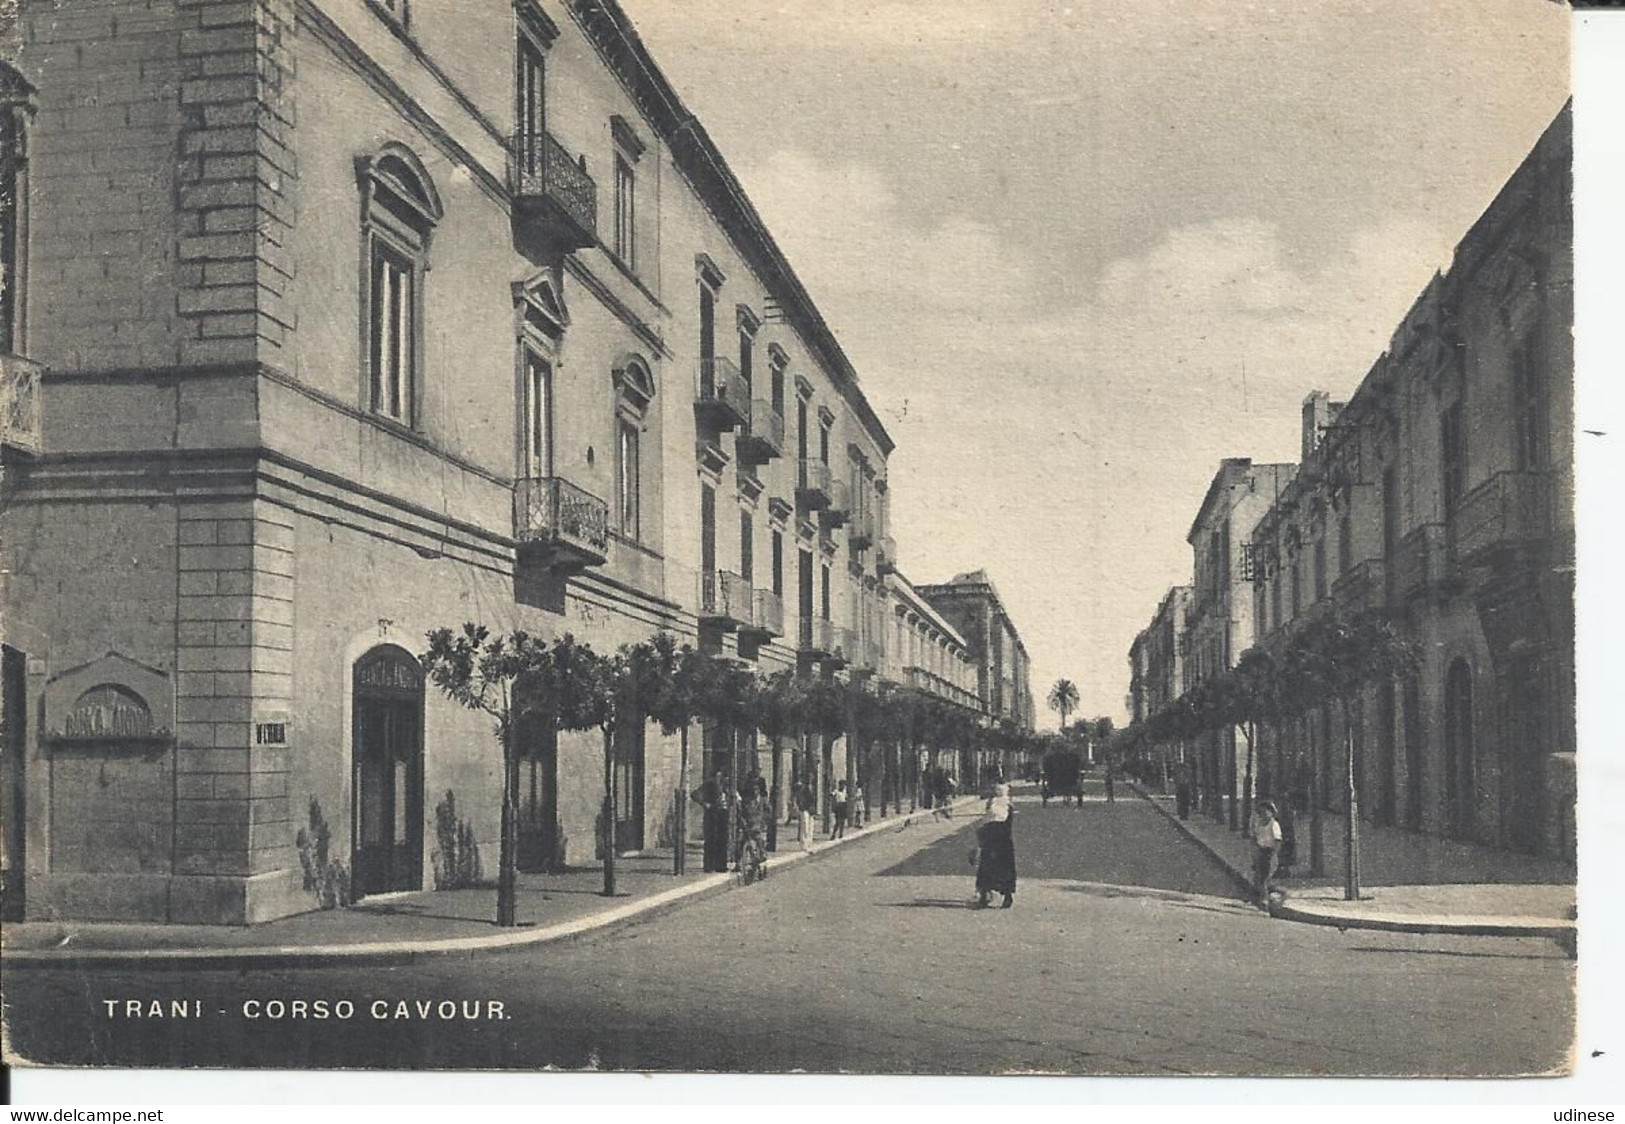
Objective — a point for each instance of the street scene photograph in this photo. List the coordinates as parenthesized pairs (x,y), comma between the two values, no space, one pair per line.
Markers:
(916,537)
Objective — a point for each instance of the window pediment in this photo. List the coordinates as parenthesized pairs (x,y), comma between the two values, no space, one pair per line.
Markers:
(708,272)
(634,383)
(395,177)
(541,304)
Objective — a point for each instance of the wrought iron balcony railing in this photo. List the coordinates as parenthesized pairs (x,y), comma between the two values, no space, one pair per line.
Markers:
(861,532)
(1362,588)
(553,187)
(886,556)
(839,507)
(813,484)
(1507,510)
(559,524)
(845,650)
(1422,563)
(725,599)
(817,636)
(720,400)
(767,619)
(762,437)
(20,402)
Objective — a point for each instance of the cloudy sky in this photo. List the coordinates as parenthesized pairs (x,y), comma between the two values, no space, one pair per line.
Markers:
(1081,251)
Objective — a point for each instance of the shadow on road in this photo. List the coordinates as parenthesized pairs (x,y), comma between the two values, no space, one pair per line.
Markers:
(1126,845)
(932,903)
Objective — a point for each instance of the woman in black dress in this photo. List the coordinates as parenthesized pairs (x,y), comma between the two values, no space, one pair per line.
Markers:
(996,851)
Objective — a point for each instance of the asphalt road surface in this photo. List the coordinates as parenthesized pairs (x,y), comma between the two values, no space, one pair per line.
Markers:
(1127,952)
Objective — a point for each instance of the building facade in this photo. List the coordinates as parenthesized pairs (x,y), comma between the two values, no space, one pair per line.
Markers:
(1004,674)
(1157,668)
(1442,495)
(1218,616)
(358,319)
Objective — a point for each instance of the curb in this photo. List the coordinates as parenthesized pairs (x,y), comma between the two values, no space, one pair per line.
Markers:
(386,953)
(1564,933)
(1241,879)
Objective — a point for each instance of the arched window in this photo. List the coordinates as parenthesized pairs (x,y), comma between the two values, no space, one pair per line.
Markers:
(634,392)
(16,106)
(1458,747)
(399,210)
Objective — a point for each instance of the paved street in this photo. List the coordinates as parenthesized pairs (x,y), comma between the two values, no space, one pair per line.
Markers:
(1127,952)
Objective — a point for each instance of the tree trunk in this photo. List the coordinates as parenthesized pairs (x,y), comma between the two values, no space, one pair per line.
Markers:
(1251,734)
(1351,813)
(732,795)
(777,801)
(508,847)
(1317,828)
(679,854)
(609,811)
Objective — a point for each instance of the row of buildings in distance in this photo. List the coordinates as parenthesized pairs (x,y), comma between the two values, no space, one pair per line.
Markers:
(329,323)
(1440,492)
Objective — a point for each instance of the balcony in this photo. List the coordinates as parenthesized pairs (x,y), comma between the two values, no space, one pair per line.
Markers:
(817,637)
(559,525)
(20,405)
(767,618)
(1363,588)
(1422,563)
(720,402)
(552,189)
(762,437)
(839,507)
(844,651)
(1508,510)
(861,534)
(886,556)
(813,485)
(725,600)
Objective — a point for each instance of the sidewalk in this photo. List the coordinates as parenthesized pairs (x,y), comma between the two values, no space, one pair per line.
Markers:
(398,928)
(1410,882)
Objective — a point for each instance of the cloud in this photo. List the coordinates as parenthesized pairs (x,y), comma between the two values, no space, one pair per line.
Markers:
(1066,447)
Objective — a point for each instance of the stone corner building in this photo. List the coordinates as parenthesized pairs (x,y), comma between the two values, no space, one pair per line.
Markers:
(330,322)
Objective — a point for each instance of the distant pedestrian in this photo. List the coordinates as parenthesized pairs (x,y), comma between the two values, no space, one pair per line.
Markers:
(1266,831)
(842,806)
(859,812)
(1111,777)
(996,850)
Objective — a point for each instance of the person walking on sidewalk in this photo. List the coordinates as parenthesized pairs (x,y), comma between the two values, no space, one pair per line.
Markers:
(1266,830)
(842,805)
(996,850)
(1111,777)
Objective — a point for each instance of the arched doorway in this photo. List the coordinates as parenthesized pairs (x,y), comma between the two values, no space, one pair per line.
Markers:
(387,748)
(1458,748)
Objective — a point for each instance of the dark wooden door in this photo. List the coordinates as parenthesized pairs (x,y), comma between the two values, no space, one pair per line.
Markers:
(13,806)
(388,774)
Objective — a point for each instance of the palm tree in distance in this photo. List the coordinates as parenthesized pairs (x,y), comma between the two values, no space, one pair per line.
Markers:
(1064,698)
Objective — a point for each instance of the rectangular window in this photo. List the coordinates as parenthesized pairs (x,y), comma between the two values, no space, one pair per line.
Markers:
(778,564)
(1529,413)
(1390,511)
(745,372)
(747,548)
(13,228)
(778,389)
(626,184)
(1345,543)
(629,477)
(823,443)
(392,345)
(1297,585)
(708,543)
(824,606)
(538,417)
(1453,457)
(708,337)
(801,428)
(532,108)
(1275,596)
(1320,563)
